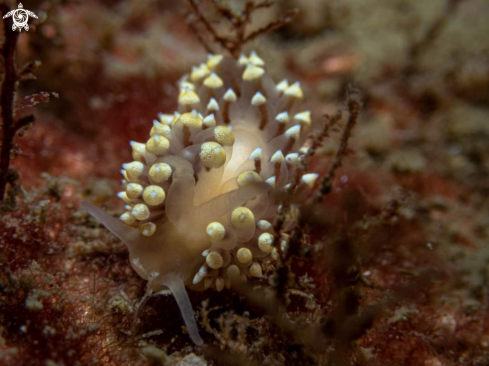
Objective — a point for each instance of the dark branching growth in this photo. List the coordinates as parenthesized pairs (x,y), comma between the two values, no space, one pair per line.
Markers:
(354,105)
(11,124)
(295,238)
(432,33)
(232,33)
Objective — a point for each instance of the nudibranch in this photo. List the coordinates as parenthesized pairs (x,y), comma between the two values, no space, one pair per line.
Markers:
(200,193)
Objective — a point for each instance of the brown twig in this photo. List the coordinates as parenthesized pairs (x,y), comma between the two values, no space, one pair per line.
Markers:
(11,125)
(7,101)
(210,30)
(296,235)
(287,18)
(418,48)
(354,106)
(331,121)
(238,22)
(199,36)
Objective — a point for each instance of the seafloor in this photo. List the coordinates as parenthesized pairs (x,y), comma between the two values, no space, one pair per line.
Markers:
(394,270)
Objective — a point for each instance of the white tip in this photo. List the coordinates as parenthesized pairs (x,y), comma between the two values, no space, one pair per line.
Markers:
(165,118)
(197,278)
(210,120)
(258,99)
(294,131)
(292,159)
(203,270)
(213,105)
(255,59)
(243,60)
(271,181)
(256,154)
(253,72)
(282,117)
(294,91)
(310,179)
(278,157)
(123,196)
(230,96)
(263,225)
(304,117)
(284,84)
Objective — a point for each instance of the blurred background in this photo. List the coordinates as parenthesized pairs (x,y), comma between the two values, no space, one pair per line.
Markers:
(416,182)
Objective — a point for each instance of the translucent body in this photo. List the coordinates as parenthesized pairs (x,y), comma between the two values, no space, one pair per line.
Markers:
(171,256)
(193,168)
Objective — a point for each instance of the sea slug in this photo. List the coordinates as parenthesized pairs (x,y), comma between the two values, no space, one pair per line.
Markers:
(200,193)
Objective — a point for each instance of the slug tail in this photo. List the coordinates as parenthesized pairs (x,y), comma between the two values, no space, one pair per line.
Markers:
(177,287)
